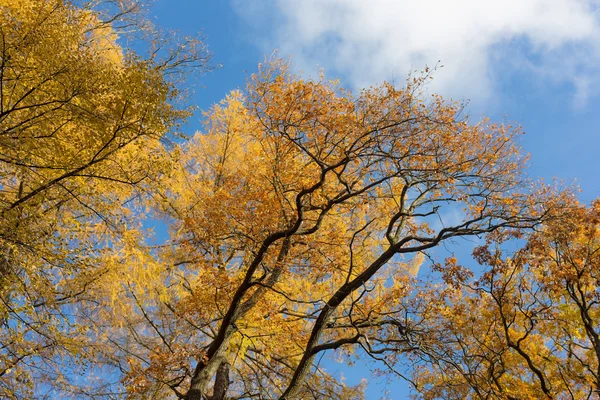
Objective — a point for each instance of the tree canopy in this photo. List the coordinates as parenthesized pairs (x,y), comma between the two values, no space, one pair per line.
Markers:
(296,223)
(81,124)
(528,327)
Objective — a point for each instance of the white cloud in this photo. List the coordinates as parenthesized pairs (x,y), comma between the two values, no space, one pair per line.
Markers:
(367,41)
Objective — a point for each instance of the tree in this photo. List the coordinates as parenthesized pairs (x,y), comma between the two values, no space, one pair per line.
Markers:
(81,125)
(298,220)
(528,327)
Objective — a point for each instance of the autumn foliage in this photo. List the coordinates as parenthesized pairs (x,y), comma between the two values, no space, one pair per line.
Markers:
(528,327)
(81,124)
(295,224)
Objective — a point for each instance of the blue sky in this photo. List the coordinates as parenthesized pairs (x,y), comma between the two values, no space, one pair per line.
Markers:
(532,62)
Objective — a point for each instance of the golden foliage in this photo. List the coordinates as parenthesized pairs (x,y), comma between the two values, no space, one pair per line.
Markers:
(528,327)
(298,222)
(80,127)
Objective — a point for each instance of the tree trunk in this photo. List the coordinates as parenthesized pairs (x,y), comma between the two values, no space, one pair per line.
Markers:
(221,382)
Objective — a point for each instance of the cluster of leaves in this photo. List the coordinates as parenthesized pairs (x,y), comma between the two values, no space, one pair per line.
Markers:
(80,127)
(297,224)
(529,326)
